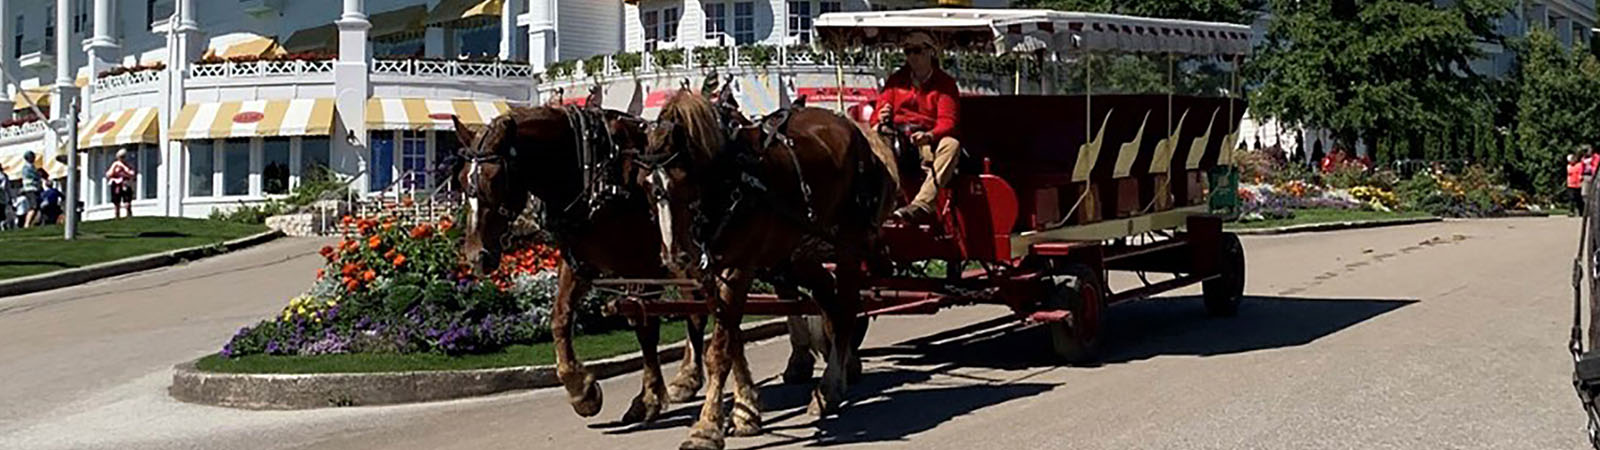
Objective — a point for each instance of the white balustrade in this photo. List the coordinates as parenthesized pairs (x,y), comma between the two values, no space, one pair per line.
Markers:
(27,129)
(251,69)
(131,80)
(451,69)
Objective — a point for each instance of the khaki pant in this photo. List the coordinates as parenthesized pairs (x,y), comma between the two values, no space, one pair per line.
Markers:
(942,159)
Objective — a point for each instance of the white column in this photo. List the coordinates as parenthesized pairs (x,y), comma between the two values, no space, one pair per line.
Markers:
(101,48)
(352,84)
(6,61)
(541,34)
(508,29)
(64,88)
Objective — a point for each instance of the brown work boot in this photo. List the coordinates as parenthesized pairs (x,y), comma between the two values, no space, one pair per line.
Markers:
(913,213)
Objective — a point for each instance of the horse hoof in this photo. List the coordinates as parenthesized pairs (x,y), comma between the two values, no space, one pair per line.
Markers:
(702,439)
(683,389)
(588,404)
(641,412)
(820,406)
(746,428)
(746,419)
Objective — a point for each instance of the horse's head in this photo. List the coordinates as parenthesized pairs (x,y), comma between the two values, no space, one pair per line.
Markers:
(679,145)
(493,192)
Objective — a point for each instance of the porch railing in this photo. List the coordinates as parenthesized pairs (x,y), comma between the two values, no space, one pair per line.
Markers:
(230,69)
(452,69)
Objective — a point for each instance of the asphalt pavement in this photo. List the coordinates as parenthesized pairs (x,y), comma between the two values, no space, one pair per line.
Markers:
(1447,335)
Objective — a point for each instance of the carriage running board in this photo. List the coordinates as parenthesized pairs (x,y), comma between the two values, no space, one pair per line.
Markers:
(877,303)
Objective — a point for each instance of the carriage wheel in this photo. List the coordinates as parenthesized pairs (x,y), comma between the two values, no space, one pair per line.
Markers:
(1077,288)
(1223,293)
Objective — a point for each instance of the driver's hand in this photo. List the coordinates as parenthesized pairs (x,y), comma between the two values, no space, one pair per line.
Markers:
(921,138)
(883,115)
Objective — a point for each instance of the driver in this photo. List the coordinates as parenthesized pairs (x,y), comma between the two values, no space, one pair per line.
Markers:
(922,98)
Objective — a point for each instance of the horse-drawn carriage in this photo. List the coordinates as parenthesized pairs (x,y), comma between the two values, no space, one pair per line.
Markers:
(1055,190)
(1042,209)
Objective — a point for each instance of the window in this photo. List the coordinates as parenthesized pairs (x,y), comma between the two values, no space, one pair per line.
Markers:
(16,43)
(744,22)
(669,24)
(80,17)
(201,166)
(414,159)
(275,165)
(479,42)
(236,167)
(716,22)
(314,158)
(99,162)
(149,170)
(380,167)
(445,144)
(652,27)
(800,20)
(49,28)
(157,10)
(828,7)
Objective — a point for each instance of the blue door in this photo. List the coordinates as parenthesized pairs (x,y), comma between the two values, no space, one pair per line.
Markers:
(380,167)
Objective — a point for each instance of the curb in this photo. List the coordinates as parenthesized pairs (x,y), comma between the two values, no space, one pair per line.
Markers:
(308,391)
(70,277)
(1335,226)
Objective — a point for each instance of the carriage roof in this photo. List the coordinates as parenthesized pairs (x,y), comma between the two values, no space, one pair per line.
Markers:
(1031,30)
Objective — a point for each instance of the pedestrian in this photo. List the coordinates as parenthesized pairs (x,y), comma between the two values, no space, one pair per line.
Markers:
(1587,157)
(7,219)
(50,203)
(28,202)
(121,177)
(1575,185)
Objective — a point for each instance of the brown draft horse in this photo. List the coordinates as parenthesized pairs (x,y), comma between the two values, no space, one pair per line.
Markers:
(568,158)
(729,208)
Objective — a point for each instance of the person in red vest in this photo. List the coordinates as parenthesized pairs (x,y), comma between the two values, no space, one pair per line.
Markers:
(922,98)
(1575,184)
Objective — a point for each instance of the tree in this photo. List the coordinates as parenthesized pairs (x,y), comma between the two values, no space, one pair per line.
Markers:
(1557,94)
(1390,72)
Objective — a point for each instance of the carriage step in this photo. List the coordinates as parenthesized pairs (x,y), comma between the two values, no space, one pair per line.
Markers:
(1049,316)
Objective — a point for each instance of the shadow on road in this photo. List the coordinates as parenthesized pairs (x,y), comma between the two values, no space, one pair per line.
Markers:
(904,398)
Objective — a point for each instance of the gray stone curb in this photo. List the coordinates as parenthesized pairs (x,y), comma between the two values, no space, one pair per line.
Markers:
(1335,226)
(71,277)
(307,391)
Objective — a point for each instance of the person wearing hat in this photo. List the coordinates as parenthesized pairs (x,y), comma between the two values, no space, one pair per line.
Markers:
(922,98)
(121,177)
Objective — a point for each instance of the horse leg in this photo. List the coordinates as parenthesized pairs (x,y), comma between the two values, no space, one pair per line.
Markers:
(825,291)
(691,369)
(583,392)
(802,360)
(707,432)
(652,391)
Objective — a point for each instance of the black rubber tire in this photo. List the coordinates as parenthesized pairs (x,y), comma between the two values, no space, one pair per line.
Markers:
(1077,288)
(1222,294)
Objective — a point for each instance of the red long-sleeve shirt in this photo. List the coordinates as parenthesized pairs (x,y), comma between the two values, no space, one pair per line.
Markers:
(931,107)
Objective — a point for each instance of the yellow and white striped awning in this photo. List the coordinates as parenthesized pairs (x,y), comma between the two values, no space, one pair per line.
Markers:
(425,114)
(448,11)
(244,44)
(29,96)
(297,117)
(128,126)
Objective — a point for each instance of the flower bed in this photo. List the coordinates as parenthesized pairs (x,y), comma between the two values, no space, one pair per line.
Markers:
(390,289)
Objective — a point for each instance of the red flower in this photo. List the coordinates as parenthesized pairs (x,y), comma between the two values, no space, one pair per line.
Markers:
(368,275)
(351,284)
(445,224)
(350,269)
(347,220)
(327,251)
(421,231)
(319,274)
(375,242)
(399,260)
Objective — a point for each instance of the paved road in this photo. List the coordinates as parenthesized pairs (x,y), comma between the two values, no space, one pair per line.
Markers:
(1446,335)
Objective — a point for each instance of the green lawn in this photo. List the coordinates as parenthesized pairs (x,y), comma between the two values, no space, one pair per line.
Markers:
(41,249)
(1311,216)
(590,347)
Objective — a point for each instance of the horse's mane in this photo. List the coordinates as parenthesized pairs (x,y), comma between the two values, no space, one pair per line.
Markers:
(699,117)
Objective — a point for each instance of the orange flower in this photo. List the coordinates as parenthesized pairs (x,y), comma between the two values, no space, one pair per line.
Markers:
(351,284)
(374,242)
(399,260)
(421,231)
(347,220)
(445,224)
(319,274)
(388,226)
(368,275)
(350,269)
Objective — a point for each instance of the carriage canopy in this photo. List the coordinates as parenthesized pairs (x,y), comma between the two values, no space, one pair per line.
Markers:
(1027,31)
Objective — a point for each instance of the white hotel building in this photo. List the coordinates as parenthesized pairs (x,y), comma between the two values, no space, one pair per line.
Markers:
(224,102)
